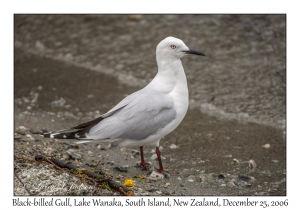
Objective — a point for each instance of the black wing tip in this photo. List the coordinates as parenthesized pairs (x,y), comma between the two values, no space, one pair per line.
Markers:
(88,123)
(46,135)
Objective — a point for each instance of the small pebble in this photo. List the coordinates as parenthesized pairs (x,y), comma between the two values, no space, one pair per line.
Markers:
(121,169)
(73,154)
(44,130)
(236,161)
(252,164)
(159,192)
(153,157)
(191,178)
(245,177)
(173,146)
(29,137)
(21,132)
(166,175)
(231,183)
(111,162)
(22,128)
(34,131)
(167,184)
(221,176)
(155,176)
(201,178)
(266,146)
(243,184)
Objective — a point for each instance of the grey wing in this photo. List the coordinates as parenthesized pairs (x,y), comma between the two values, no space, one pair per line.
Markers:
(80,131)
(144,115)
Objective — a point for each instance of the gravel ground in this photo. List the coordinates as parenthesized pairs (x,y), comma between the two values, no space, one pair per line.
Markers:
(217,150)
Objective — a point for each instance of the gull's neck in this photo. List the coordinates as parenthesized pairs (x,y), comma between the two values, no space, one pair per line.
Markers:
(170,76)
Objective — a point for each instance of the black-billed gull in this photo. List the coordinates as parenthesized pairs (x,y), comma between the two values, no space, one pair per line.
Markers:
(144,117)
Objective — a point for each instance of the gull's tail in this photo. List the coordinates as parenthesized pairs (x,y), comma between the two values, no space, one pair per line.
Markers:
(78,132)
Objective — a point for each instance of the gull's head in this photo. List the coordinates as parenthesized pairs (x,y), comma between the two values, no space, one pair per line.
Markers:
(173,48)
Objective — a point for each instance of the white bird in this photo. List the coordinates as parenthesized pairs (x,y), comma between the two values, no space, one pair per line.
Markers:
(146,116)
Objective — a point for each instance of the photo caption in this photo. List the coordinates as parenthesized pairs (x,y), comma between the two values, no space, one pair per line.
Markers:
(168,202)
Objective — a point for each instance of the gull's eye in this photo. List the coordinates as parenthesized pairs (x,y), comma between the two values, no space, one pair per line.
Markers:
(173,46)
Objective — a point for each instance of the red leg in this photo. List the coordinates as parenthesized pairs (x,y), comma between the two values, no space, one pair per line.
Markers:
(160,170)
(143,163)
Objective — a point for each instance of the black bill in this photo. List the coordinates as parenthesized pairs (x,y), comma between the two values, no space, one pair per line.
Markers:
(195,52)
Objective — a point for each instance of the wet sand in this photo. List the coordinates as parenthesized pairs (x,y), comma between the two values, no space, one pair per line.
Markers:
(212,157)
